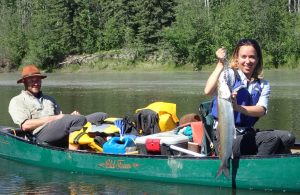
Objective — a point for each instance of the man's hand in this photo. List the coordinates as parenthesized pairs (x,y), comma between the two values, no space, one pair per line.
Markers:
(75,112)
(59,116)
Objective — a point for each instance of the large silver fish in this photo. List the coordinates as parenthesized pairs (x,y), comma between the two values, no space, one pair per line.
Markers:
(226,126)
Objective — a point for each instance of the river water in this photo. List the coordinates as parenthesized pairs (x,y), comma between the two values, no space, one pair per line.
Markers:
(120,94)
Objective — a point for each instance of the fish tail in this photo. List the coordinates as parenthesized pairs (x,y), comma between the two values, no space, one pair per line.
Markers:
(224,168)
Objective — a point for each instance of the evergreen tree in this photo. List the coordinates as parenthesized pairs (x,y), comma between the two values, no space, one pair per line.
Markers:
(14,23)
(148,18)
(49,39)
(112,35)
(86,25)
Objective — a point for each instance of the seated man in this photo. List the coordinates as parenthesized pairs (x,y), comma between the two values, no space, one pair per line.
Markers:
(40,114)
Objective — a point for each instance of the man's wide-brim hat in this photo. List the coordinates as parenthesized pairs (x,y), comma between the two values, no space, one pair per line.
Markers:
(30,71)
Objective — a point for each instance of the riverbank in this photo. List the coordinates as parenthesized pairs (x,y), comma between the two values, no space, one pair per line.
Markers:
(120,61)
(116,66)
(128,61)
(114,62)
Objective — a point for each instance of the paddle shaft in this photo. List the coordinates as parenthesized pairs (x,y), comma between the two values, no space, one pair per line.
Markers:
(186,151)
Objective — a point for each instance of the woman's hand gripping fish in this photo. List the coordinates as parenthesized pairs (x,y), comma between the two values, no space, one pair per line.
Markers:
(226,126)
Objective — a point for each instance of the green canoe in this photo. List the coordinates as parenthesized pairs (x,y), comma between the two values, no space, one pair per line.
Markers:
(278,172)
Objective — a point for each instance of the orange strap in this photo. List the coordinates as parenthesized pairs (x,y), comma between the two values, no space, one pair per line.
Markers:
(198,133)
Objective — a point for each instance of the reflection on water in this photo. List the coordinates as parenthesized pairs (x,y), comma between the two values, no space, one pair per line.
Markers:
(120,94)
(22,179)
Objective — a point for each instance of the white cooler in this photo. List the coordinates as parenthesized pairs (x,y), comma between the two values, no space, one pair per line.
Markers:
(159,143)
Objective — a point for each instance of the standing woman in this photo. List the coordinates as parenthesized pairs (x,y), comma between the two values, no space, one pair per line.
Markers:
(250,101)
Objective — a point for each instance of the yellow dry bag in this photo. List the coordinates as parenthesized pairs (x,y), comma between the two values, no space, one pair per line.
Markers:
(166,112)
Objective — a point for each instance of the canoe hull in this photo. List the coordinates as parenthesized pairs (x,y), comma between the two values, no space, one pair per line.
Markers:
(268,173)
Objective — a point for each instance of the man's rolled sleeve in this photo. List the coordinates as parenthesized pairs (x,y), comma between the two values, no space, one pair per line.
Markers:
(18,113)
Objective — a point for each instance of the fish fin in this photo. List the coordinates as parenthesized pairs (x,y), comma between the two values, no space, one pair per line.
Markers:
(226,172)
(224,169)
(220,170)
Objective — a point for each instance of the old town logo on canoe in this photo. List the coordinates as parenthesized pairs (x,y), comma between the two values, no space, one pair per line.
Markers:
(117,164)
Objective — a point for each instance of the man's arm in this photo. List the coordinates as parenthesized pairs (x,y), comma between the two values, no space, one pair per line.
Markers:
(21,115)
(31,124)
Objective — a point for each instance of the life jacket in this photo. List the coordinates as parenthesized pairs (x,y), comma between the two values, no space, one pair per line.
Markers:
(94,136)
(243,98)
(156,117)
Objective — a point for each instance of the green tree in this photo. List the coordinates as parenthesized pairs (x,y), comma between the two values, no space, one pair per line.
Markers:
(114,17)
(112,35)
(87,23)
(190,36)
(14,22)
(273,30)
(50,35)
(148,18)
